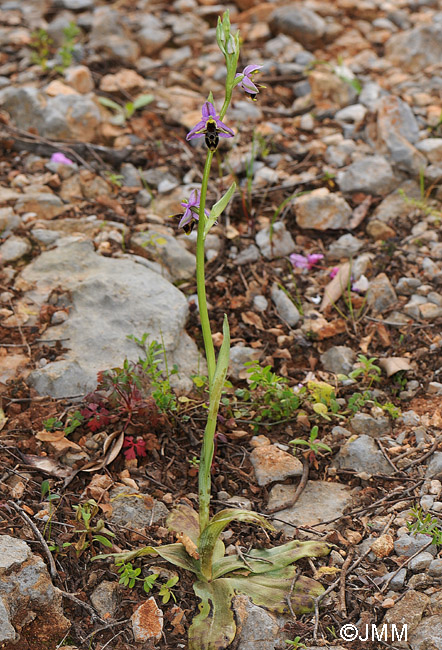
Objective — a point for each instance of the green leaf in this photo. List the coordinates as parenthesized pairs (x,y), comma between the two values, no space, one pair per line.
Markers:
(271,590)
(222,364)
(143,100)
(210,535)
(214,627)
(45,487)
(109,103)
(184,519)
(218,208)
(321,409)
(265,560)
(174,553)
(103,540)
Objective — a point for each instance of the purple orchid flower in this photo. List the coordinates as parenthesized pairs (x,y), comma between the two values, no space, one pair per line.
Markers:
(60,158)
(302,262)
(191,213)
(246,82)
(210,127)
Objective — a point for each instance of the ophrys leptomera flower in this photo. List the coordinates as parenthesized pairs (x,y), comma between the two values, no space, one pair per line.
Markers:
(247,83)
(191,213)
(210,127)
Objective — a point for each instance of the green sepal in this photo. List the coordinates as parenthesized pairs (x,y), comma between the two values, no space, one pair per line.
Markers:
(218,209)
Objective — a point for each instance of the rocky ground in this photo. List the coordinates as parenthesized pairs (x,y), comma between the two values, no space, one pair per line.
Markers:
(330,249)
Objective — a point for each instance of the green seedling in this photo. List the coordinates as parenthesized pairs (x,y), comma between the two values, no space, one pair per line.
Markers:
(425,524)
(66,51)
(161,390)
(323,399)
(90,534)
(41,44)
(267,576)
(123,112)
(315,446)
(280,401)
(46,490)
(130,576)
(367,370)
(296,643)
(115,179)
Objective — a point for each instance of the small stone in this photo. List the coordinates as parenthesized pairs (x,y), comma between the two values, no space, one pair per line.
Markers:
(273,464)
(371,175)
(80,78)
(407,611)
(137,510)
(408,545)
(167,250)
(338,359)
(152,39)
(435,388)
(307,123)
(416,49)
(301,23)
(434,469)
(362,455)
(435,568)
(239,355)
(375,427)
(9,221)
(378,230)
(406,286)
(398,580)
(432,148)
(322,210)
(279,244)
(353,114)
(383,546)
(105,598)
(248,255)
(13,249)
(381,295)
(260,303)
(147,621)
(428,634)
(344,247)
(284,306)
(319,502)
(430,311)
(420,562)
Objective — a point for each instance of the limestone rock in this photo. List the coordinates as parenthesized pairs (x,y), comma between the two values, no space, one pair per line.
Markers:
(30,606)
(371,175)
(272,464)
(322,210)
(108,299)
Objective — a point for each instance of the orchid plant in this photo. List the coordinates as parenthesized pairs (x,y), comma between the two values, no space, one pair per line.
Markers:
(267,576)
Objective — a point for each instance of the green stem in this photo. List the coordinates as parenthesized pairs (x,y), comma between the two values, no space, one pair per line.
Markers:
(200,275)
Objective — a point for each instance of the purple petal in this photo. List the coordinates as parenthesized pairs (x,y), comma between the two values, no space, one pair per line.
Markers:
(194,199)
(299,261)
(208,110)
(314,259)
(60,158)
(224,128)
(186,218)
(248,86)
(249,69)
(196,131)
